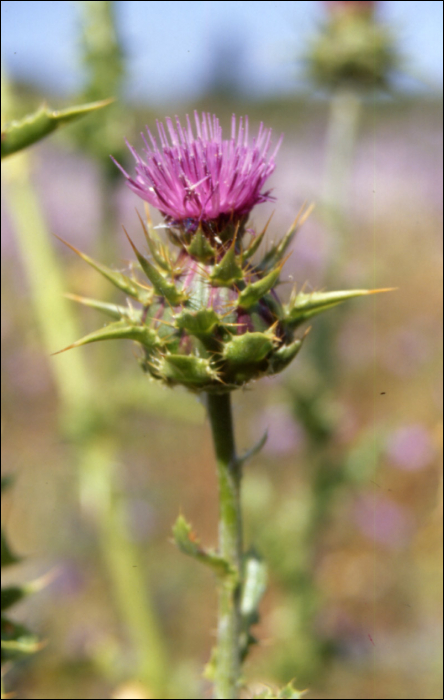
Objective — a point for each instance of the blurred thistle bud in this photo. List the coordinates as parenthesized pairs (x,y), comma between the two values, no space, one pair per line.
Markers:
(209,318)
(352,49)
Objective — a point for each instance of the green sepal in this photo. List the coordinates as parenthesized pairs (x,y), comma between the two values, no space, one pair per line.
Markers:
(200,247)
(112,310)
(118,279)
(193,372)
(199,323)
(23,133)
(288,692)
(227,271)
(248,348)
(282,357)
(119,330)
(16,640)
(7,557)
(188,544)
(303,306)
(162,286)
(257,290)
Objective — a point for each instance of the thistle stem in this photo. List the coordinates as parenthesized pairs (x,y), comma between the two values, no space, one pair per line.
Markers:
(228,657)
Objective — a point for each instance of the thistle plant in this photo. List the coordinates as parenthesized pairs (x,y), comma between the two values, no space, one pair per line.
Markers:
(207,315)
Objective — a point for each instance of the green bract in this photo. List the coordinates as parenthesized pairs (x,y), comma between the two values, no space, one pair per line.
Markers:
(206,317)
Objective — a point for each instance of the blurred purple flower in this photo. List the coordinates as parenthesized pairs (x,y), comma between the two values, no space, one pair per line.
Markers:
(383,520)
(204,177)
(410,448)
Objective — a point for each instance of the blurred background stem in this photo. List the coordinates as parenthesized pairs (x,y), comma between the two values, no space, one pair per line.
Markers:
(82,419)
(342,131)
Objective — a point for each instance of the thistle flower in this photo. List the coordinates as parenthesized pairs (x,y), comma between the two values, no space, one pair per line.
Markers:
(210,319)
(203,179)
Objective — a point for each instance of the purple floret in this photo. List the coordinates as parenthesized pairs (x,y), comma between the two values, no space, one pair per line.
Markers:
(204,177)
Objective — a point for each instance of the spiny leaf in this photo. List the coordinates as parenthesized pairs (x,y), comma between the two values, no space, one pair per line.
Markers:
(189,544)
(113,310)
(304,306)
(277,252)
(23,133)
(162,286)
(16,640)
(115,331)
(256,290)
(118,279)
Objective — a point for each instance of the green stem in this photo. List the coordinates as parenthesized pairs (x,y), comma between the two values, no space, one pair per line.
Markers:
(228,656)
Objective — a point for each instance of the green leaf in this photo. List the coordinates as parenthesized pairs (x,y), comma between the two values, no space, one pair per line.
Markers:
(117,331)
(255,291)
(23,133)
(16,640)
(189,544)
(254,586)
(7,557)
(303,306)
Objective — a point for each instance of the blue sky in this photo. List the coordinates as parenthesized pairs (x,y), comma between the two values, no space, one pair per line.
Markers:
(172,46)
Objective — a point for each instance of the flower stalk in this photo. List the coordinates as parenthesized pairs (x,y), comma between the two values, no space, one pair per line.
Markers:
(227,669)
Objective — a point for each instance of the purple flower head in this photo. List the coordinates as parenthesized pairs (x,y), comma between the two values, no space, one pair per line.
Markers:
(204,178)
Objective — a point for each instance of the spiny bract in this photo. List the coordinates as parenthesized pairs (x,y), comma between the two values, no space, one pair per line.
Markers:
(210,319)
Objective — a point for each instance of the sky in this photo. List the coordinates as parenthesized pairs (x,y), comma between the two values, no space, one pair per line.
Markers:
(172,47)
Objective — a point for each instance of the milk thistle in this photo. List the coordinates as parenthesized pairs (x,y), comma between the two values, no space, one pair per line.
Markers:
(211,320)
